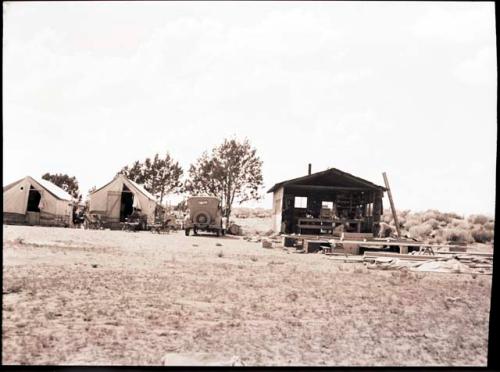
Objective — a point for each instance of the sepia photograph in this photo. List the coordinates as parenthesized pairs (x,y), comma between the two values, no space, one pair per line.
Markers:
(248,183)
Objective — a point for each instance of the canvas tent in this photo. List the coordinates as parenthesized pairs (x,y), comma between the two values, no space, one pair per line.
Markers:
(116,200)
(35,201)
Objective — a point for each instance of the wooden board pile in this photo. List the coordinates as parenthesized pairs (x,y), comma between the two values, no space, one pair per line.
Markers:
(456,263)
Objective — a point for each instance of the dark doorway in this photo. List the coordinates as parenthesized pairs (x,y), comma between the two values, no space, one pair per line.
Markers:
(126,204)
(34,200)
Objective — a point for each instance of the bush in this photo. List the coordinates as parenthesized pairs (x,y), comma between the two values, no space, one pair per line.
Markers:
(441,217)
(387,218)
(481,235)
(421,231)
(437,239)
(459,224)
(433,223)
(401,220)
(489,226)
(412,221)
(453,216)
(455,235)
(430,215)
(480,219)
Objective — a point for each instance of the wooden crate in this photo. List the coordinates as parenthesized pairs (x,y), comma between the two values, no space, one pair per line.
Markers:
(350,248)
(349,235)
(288,242)
(313,246)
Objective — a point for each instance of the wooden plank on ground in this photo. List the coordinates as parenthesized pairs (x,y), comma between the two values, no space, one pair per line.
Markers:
(349,235)
(347,259)
(378,243)
(403,256)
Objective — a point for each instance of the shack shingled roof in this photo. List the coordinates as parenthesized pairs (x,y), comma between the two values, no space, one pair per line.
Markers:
(329,170)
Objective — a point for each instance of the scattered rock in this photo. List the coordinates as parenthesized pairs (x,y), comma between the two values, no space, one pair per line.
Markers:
(218,244)
(269,233)
(266,244)
(253,239)
(94,265)
(234,229)
(293,296)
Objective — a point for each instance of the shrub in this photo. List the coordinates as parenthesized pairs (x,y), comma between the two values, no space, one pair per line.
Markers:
(421,231)
(430,215)
(457,236)
(404,213)
(453,216)
(412,221)
(489,226)
(401,220)
(387,217)
(480,219)
(438,239)
(459,224)
(436,215)
(482,235)
(441,217)
(432,222)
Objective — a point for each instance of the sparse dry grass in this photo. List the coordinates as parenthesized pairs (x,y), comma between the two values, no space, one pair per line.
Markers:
(154,294)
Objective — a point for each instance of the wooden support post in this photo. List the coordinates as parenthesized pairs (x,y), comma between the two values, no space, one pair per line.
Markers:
(377,211)
(393,209)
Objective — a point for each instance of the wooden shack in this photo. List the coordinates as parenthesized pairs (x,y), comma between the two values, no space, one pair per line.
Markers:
(327,202)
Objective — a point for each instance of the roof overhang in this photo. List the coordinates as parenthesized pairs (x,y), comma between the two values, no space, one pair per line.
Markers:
(359,183)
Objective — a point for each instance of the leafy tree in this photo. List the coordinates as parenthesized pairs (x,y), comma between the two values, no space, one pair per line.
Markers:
(65,182)
(160,176)
(135,172)
(232,171)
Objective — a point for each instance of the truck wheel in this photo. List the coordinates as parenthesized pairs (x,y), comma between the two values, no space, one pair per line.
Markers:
(186,232)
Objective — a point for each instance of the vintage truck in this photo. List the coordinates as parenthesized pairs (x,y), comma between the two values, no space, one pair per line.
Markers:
(204,214)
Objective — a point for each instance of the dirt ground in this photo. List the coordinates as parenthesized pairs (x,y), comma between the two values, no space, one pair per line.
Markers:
(89,297)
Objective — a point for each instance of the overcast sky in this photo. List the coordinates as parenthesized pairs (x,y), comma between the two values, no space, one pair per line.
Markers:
(405,88)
